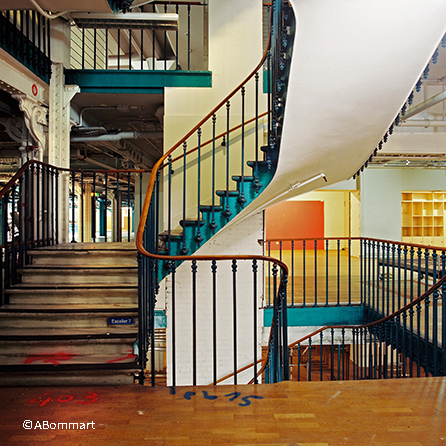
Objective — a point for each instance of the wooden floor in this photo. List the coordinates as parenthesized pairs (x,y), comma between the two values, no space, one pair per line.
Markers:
(406,412)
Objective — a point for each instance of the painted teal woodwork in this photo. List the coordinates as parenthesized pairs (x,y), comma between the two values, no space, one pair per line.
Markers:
(319,316)
(160,319)
(135,81)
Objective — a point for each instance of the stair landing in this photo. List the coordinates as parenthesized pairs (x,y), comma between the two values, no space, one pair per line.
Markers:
(409,412)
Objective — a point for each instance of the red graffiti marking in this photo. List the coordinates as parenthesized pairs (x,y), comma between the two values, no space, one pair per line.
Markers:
(52,358)
(129,356)
(89,398)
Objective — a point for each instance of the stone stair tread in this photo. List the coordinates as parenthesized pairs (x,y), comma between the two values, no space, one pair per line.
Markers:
(71,333)
(89,246)
(79,268)
(75,359)
(80,286)
(76,308)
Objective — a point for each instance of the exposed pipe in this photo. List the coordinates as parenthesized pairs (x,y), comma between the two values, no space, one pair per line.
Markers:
(425,105)
(117,136)
(44,13)
(423,123)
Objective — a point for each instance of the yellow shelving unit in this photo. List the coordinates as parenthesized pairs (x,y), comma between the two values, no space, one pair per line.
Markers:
(423,214)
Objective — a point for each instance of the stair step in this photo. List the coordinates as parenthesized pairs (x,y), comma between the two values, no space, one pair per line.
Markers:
(60,378)
(208,208)
(246,178)
(230,193)
(189,222)
(84,308)
(64,276)
(86,254)
(175,234)
(67,334)
(125,296)
(79,318)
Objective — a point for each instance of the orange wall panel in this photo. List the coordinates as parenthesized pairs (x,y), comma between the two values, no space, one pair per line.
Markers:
(295,219)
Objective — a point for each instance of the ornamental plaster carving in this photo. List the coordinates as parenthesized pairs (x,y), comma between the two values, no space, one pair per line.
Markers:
(36,120)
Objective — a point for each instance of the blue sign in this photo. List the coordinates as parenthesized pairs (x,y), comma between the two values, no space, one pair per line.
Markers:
(121,321)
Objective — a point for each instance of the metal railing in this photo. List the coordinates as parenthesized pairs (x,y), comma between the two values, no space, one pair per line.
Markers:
(146,49)
(384,275)
(25,35)
(196,209)
(407,343)
(101,208)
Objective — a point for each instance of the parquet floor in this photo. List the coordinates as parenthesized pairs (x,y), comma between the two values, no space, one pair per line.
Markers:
(405,412)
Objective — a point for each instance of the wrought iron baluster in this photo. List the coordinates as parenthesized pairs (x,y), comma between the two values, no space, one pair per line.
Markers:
(255,306)
(184,249)
(198,237)
(234,316)
(241,199)
(130,49)
(93,209)
(418,309)
(169,207)
(56,188)
(129,207)
(426,271)
(321,345)
(214,318)
(20,225)
(177,67)
(105,205)
(189,50)
(13,236)
(194,322)
(82,219)
(213,225)
(227,213)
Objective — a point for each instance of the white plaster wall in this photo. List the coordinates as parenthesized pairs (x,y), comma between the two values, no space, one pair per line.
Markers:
(240,239)
(235,49)
(381,197)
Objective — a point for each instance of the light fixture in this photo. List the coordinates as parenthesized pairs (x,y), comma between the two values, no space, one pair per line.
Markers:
(130,20)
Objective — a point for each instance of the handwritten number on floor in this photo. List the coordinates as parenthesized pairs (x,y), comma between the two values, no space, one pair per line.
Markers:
(233,396)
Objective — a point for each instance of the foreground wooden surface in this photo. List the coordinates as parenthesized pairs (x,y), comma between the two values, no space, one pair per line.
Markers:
(409,412)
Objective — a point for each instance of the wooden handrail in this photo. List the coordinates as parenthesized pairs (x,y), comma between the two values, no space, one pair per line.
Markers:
(217,137)
(63,169)
(275,240)
(160,162)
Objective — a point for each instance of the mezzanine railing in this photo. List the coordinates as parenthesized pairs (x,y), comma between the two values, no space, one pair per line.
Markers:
(401,288)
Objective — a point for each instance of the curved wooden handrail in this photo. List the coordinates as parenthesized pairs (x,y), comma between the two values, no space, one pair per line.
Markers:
(161,162)
(63,169)
(276,240)
(371,324)
(379,321)
(217,137)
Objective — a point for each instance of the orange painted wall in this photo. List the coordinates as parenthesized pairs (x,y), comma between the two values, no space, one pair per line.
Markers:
(295,219)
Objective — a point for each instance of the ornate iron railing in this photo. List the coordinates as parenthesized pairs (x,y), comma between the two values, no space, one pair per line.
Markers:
(25,35)
(101,208)
(409,342)
(381,274)
(199,214)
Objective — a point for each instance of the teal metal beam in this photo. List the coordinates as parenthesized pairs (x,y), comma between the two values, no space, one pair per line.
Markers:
(136,81)
(319,316)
